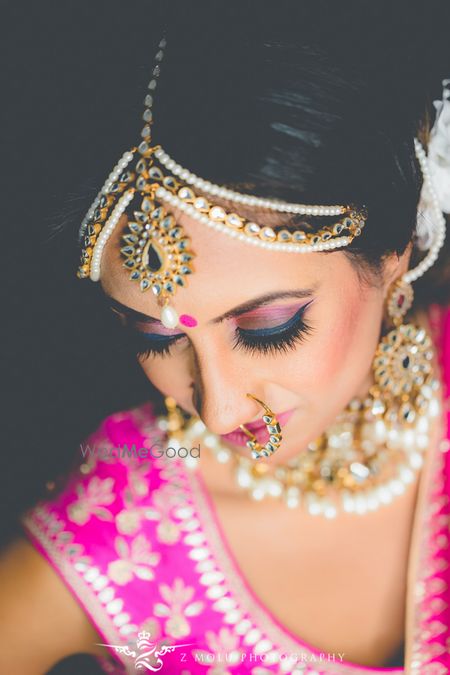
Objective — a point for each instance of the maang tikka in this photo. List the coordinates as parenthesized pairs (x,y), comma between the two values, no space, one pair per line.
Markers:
(156,251)
(148,184)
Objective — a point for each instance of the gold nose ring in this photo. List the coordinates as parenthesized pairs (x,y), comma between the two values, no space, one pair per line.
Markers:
(273,429)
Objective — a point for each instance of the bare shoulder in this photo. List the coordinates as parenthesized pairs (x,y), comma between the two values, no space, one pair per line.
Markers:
(37,609)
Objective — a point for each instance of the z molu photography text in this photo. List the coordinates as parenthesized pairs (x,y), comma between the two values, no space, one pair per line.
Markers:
(155,451)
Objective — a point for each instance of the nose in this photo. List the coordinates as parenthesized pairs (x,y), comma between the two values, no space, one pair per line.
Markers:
(219,395)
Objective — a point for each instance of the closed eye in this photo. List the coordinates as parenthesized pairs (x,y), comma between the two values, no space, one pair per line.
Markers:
(273,330)
(281,338)
(270,340)
(147,344)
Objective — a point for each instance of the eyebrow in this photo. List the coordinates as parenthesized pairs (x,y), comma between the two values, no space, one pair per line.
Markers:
(243,308)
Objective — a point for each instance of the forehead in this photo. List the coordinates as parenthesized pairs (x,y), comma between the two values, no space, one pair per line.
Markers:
(225,271)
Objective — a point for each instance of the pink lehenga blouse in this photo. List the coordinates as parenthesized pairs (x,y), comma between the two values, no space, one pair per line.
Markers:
(139,544)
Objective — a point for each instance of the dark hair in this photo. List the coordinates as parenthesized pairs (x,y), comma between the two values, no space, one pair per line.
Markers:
(314,102)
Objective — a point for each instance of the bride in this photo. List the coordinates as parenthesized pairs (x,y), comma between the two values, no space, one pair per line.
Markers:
(260,248)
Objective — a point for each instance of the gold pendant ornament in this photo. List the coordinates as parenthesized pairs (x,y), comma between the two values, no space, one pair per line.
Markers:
(273,429)
(157,254)
(402,361)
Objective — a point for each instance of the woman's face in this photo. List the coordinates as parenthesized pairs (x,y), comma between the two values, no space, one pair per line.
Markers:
(298,331)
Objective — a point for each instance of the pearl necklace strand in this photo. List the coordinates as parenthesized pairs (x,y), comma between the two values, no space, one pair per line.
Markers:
(379,441)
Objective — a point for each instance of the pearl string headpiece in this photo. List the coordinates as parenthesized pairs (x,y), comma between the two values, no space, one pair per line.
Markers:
(156,250)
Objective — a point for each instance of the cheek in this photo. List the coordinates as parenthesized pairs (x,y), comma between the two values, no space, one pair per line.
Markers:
(340,351)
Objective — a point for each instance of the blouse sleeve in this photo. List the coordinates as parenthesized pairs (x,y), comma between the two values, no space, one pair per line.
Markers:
(80,531)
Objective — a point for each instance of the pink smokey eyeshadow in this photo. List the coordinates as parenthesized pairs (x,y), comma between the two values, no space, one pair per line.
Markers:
(267,317)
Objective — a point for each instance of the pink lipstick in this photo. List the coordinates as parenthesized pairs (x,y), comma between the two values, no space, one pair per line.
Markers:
(237,436)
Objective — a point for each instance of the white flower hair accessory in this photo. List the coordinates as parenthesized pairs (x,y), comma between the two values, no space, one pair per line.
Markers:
(439,169)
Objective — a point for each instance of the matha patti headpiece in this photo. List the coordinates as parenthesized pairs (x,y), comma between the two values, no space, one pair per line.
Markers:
(155,248)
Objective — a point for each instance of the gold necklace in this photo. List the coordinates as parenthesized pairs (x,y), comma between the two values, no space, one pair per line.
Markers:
(365,459)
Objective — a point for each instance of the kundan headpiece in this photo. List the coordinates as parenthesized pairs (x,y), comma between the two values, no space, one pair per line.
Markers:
(155,248)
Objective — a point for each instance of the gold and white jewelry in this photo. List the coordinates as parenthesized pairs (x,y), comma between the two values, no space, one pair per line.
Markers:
(160,180)
(273,429)
(363,461)
(157,254)
(373,449)
(173,189)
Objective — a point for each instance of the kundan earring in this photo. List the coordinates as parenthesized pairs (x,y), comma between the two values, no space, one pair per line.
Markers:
(273,429)
(402,363)
(173,422)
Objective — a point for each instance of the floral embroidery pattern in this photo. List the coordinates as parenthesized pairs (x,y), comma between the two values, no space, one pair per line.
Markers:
(91,501)
(224,652)
(137,477)
(177,607)
(128,521)
(167,530)
(134,560)
(287,666)
(152,626)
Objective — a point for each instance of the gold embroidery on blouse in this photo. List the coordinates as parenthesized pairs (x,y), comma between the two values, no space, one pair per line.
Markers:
(186,489)
(138,479)
(177,607)
(91,500)
(135,559)
(420,649)
(223,653)
(40,521)
(164,499)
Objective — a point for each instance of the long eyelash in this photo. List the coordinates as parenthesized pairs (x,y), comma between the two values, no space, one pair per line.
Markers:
(281,342)
(284,342)
(143,350)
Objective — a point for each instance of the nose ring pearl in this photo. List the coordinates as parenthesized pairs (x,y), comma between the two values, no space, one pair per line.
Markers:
(273,429)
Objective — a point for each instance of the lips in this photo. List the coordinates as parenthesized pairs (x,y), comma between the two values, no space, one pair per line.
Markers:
(237,437)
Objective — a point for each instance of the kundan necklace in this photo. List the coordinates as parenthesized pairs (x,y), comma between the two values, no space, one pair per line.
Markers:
(364,460)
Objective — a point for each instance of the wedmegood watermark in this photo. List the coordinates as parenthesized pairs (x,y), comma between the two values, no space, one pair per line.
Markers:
(154,451)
